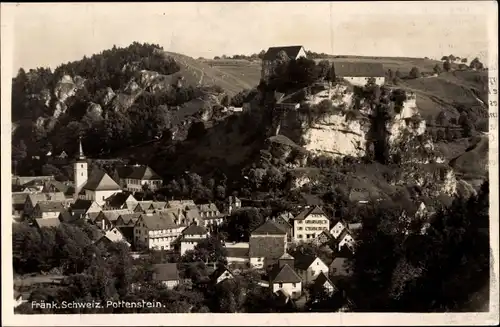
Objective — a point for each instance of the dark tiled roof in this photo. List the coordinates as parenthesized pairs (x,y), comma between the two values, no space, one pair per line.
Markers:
(144,206)
(129,218)
(208,207)
(268,247)
(194,230)
(291,51)
(237,252)
(309,211)
(94,215)
(66,217)
(138,172)
(50,206)
(166,272)
(117,200)
(100,181)
(112,215)
(81,204)
(303,261)
(268,228)
(19,198)
(47,222)
(321,280)
(55,186)
(285,275)
(358,69)
(155,222)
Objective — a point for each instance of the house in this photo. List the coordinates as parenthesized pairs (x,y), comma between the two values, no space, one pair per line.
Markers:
(309,223)
(221,274)
(48,209)
(283,221)
(337,229)
(114,235)
(82,208)
(210,215)
(127,219)
(166,274)
(180,204)
(271,58)
(46,222)
(237,253)
(66,216)
(154,231)
(359,73)
(123,200)
(33,199)
(135,178)
(341,265)
(346,240)
(323,283)
(308,267)
(267,244)
(55,186)
(99,187)
(191,236)
(63,155)
(191,216)
(286,280)
(234,203)
(324,238)
(18,201)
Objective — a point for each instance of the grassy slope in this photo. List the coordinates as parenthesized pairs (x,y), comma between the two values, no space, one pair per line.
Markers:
(195,71)
(473,162)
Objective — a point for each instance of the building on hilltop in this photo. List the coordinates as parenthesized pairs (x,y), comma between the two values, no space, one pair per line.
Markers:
(271,58)
(359,73)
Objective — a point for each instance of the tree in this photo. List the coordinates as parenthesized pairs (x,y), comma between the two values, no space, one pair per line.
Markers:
(476,64)
(414,73)
(451,58)
(225,101)
(324,68)
(241,223)
(209,250)
(19,152)
(437,69)
(196,131)
(445,58)
(464,60)
(440,135)
(447,66)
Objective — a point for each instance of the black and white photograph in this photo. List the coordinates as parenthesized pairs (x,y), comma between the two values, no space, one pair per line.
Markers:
(255,159)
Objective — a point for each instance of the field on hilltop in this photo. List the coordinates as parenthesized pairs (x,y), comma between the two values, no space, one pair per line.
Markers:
(196,72)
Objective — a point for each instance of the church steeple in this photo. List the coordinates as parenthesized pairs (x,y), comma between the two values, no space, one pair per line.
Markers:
(81,156)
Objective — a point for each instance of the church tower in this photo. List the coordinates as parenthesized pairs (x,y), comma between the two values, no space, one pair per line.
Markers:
(80,170)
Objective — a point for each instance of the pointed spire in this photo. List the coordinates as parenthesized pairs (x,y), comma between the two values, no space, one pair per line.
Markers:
(81,156)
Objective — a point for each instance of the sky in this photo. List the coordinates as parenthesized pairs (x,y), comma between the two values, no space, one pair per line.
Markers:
(50,34)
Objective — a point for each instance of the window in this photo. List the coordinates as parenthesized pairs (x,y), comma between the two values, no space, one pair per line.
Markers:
(293,285)
(82,174)
(280,285)
(82,166)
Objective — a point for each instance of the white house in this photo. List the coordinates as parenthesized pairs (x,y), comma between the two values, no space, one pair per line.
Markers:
(337,229)
(270,59)
(309,267)
(167,274)
(347,240)
(133,178)
(191,236)
(359,73)
(220,275)
(309,223)
(115,235)
(285,279)
(99,187)
(154,231)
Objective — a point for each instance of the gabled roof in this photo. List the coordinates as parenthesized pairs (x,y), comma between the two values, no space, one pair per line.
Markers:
(291,51)
(286,256)
(144,205)
(112,215)
(286,275)
(194,230)
(159,205)
(19,198)
(219,272)
(50,206)
(66,217)
(266,247)
(193,215)
(321,279)
(117,200)
(129,218)
(165,272)
(268,228)
(100,181)
(156,222)
(81,204)
(47,222)
(358,69)
(94,215)
(56,196)
(138,172)
(56,186)
(303,261)
(316,210)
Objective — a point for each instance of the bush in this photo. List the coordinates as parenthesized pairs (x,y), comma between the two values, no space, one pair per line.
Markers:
(414,73)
